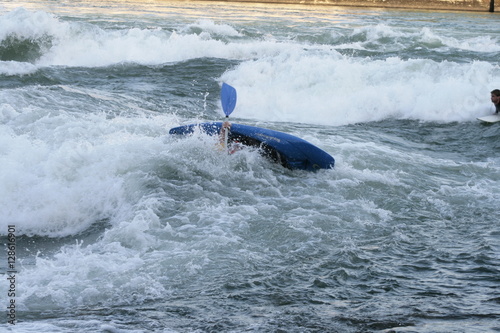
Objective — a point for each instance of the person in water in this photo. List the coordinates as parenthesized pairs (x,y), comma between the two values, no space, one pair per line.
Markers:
(232,147)
(495,99)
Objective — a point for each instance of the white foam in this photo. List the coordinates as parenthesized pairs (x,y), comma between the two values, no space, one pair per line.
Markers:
(16,68)
(29,24)
(209,26)
(481,44)
(74,265)
(63,171)
(175,206)
(333,90)
(283,80)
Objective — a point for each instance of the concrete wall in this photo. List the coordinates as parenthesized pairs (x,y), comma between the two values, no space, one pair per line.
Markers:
(468,5)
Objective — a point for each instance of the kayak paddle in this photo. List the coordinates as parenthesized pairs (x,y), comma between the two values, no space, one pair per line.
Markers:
(228,100)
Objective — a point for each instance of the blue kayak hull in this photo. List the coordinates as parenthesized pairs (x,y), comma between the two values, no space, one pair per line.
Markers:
(288,150)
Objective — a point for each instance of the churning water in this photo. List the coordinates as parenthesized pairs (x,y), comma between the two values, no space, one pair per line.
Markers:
(121,228)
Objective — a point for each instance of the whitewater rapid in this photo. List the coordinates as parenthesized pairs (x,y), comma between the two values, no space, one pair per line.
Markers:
(123,228)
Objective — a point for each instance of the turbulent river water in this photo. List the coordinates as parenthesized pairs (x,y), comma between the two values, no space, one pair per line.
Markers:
(120,227)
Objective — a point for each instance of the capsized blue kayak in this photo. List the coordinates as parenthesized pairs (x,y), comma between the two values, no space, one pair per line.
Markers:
(288,150)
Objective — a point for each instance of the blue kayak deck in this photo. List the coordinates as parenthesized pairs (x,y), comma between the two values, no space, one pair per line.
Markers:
(288,150)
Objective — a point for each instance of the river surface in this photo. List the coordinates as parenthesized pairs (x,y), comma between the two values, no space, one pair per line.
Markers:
(122,228)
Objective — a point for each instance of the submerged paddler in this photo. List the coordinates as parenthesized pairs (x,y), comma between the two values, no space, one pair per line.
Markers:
(224,132)
(495,99)
(233,146)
